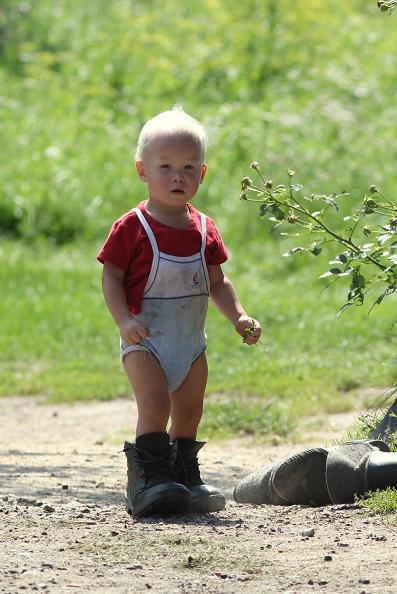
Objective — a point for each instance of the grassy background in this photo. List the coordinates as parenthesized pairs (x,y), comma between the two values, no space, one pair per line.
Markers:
(307,86)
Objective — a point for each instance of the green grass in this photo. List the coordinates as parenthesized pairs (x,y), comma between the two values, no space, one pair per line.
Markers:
(381,503)
(306,87)
(232,416)
(79,79)
(58,339)
(369,420)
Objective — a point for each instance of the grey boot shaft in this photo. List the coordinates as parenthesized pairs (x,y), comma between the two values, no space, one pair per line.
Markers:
(348,470)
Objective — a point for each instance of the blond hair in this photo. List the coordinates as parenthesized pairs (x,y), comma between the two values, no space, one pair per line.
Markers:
(175,122)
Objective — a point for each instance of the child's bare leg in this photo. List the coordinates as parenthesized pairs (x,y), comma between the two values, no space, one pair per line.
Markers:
(187,401)
(186,411)
(151,487)
(151,392)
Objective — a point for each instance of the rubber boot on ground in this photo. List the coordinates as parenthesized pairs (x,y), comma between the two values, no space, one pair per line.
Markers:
(382,470)
(300,478)
(257,488)
(297,479)
(355,467)
(152,487)
(203,498)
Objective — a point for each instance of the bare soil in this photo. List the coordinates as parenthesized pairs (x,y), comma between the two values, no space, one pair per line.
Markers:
(64,527)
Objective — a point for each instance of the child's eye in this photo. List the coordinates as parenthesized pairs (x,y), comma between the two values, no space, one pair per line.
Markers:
(165,166)
(189,167)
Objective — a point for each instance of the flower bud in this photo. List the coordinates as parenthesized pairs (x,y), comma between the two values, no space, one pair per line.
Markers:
(383,5)
(245,183)
(292,219)
(255,165)
(291,172)
(243,196)
(269,184)
(373,189)
(367,230)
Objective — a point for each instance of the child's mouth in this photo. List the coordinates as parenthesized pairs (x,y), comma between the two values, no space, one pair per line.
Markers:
(177,191)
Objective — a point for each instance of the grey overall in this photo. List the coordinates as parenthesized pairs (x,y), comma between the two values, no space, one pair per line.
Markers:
(174,308)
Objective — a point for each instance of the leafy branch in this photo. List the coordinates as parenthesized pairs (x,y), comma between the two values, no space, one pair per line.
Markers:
(369,256)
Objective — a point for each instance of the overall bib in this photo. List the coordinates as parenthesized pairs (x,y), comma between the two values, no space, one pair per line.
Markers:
(174,308)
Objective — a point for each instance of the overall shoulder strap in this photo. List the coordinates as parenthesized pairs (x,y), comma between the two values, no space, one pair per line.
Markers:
(203,246)
(147,227)
(153,243)
(203,219)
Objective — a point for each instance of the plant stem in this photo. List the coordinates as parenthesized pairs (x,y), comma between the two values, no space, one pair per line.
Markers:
(346,242)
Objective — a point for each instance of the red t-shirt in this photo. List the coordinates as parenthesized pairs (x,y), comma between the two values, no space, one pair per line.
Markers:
(128,247)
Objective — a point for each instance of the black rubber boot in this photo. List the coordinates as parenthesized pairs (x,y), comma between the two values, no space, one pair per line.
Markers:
(382,470)
(152,487)
(203,498)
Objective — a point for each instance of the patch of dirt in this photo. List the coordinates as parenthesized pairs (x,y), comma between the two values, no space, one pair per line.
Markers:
(64,527)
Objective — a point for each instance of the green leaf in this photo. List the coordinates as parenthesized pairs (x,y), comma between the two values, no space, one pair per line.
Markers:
(381,239)
(331,200)
(340,258)
(263,209)
(293,251)
(315,249)
(344,308)
(380,298)
(279,215)
(388,291)
(358,281)
(333,271)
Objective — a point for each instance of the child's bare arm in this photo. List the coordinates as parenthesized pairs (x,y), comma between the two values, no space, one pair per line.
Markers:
(131,330)
(225,298)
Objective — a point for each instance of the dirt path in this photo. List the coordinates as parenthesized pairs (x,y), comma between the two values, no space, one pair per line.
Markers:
(64,528)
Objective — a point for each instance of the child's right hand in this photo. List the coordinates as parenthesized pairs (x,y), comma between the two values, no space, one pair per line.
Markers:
(132,331)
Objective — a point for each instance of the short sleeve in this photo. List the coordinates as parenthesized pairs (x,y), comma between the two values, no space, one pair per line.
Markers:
(216,252)
(119,246)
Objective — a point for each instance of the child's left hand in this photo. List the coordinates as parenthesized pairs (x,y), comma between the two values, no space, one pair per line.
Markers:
(249,329)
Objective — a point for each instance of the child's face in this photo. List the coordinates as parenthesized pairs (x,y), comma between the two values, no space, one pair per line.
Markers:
(173,169)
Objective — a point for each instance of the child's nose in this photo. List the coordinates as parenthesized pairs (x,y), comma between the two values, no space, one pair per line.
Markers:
(178,176)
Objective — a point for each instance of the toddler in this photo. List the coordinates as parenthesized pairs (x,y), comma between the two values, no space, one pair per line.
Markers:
(161,262)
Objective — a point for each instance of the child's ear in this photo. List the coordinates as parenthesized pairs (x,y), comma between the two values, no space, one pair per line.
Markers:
(140,169)
(203,172)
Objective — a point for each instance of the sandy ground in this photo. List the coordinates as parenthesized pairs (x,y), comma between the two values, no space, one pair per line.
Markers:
(64,527)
